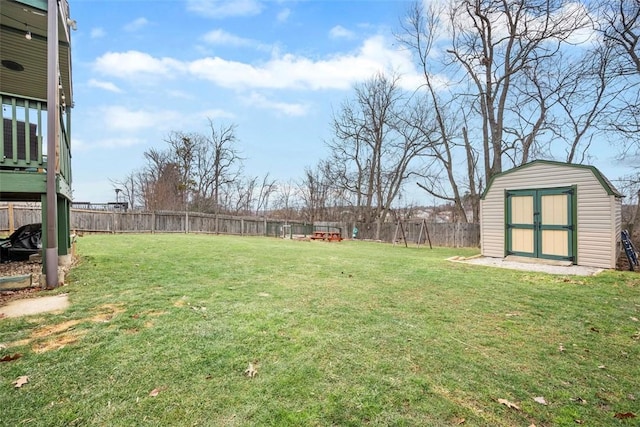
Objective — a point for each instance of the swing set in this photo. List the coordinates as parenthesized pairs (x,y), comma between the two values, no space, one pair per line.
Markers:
(424,230)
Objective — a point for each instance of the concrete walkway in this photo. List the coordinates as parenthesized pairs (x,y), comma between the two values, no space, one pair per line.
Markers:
(531,264)
(30,306)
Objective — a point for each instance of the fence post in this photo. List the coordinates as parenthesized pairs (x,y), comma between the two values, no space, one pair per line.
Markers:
(11,219)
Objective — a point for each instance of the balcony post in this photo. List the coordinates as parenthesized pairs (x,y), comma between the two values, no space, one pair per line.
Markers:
(51,254)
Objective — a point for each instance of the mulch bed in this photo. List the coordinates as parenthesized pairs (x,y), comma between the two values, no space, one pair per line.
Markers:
(18,268)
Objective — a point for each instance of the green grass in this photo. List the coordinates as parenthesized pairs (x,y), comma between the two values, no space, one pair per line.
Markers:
(348,333)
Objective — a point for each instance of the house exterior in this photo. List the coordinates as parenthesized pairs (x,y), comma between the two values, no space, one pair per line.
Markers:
(552,210)
(36,94)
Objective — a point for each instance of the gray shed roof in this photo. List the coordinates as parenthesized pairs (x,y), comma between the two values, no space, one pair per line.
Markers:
(606,184)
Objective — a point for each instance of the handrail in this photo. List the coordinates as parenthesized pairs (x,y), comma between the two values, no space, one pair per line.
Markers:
(23,150)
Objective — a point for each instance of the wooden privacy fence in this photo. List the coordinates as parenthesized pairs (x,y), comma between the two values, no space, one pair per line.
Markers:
(453,235)
(180,222)
(92,221)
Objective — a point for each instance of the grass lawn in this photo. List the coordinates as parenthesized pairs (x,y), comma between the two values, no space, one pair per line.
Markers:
(161,329)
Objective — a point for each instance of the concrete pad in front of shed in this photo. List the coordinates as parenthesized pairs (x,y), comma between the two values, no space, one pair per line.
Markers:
(30,306)
(531,264)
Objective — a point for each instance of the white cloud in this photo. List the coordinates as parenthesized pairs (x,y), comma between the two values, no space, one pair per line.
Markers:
(288,109)
(221,37)
(289,71)
(136,24)
(179,94)
(224,8)
(108,86)
(283,15)
(339,32)
(132,64)
(286,71)
(120,119)
(97,33)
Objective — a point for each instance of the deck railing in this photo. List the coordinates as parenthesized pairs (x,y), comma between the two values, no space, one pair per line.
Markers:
(22,129)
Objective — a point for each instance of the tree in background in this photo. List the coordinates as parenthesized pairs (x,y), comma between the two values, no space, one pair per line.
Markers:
(208,164)
(191,173)
(619,26)
(375,141)
(509,82)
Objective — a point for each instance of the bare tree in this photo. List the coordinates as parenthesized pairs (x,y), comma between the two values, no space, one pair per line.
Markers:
(184,149)
(505,87)
(127,186)
(420,32)
(161,181)
(374,146)
(286,200)
(225,164)
(267,187)
(206,165)
(503,41)
(620,29)
(314,190)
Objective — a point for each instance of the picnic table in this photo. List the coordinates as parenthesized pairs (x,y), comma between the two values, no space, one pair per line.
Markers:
(331,236)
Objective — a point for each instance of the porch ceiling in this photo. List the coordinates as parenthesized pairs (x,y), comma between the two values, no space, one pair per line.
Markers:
(29,77)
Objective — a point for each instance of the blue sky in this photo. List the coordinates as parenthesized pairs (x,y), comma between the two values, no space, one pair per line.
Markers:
(276,69)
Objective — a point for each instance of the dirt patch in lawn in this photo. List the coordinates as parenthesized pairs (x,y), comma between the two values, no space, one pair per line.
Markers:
(49,330)
(107,312)
(58,341)
(59,335)
(52,337)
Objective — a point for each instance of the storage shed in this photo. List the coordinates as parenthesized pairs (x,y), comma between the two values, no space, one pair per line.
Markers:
(552,210)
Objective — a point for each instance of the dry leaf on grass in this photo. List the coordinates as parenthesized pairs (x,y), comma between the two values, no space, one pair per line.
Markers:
(251,371)
(578,400)
(508,404)
(540,400)
(9,358)
(458,421)
(21,381)
(156,391)
(624,416)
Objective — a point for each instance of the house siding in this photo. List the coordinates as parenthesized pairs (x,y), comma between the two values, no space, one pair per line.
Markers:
(598,213)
